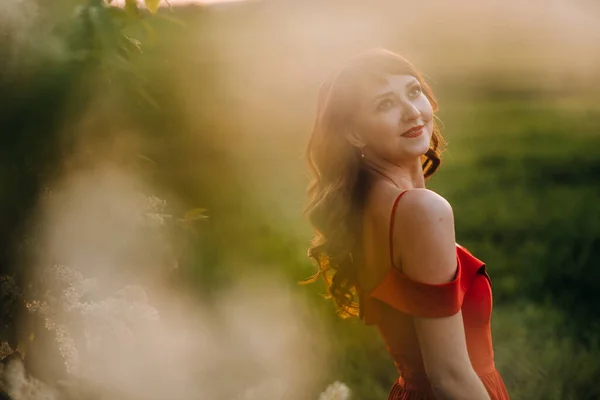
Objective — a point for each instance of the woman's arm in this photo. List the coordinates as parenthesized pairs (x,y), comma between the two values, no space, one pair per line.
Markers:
(424,239)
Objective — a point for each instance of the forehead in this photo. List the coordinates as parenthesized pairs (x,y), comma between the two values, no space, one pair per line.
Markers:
(390,83)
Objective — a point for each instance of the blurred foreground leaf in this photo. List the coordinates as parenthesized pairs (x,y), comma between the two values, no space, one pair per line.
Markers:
(152,5)
(195,214)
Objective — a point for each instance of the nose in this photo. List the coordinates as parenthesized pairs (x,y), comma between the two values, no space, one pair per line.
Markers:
(410,112)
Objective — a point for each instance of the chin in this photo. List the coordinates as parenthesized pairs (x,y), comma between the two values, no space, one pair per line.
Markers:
(413,152)
(419,149)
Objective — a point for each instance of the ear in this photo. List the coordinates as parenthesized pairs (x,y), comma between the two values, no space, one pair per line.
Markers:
(354,138)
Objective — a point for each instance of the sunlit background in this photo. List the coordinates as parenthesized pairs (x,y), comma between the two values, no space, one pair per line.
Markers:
(153,163)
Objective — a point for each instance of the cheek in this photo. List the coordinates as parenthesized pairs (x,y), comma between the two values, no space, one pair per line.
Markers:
(427,113)
(381,127)
(429,126)
(426,109)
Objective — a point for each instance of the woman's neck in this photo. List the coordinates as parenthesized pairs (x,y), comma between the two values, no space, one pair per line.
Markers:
(405,175)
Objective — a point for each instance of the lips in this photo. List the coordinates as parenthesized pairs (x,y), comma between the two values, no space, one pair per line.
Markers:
(413,132)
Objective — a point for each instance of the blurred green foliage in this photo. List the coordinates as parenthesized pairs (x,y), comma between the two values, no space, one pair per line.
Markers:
(56,57)
(521,172)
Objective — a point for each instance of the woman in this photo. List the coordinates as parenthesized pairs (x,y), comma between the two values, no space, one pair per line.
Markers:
(383,238)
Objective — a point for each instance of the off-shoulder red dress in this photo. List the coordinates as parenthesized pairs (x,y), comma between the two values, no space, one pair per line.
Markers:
(397,298)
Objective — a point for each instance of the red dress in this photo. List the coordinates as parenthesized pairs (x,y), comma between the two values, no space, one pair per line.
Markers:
(391,305)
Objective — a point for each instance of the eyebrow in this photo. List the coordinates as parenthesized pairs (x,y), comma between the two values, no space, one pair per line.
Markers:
(390,93)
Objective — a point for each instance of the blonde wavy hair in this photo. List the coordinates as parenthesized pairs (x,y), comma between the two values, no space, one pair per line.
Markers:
(340,181)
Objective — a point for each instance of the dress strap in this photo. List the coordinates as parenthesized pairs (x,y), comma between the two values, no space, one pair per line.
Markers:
(419,298)
(368,309)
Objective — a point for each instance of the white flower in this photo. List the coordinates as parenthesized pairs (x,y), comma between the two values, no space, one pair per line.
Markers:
(266,390)
(66,275)
(67,349)
(110,322)
(19,386)
(336,391)
(5,350)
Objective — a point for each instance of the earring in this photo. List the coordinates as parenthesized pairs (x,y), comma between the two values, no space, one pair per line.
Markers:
(362,153)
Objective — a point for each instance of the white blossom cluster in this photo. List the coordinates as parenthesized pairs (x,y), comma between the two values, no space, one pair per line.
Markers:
(152,211)
(64,341)
(5,349)
(114,343)
(336,391)
(266,390)
(20,386)
(84,316)
(107,323)
(153,204)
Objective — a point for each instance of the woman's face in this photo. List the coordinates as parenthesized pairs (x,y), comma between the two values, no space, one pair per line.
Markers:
(395,119)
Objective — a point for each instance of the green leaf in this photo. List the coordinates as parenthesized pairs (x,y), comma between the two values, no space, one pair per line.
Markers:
(195,214)
(173,20)
(118,14)
(146,164)
(152,5)
(131,9)
(150,33)
(136,44)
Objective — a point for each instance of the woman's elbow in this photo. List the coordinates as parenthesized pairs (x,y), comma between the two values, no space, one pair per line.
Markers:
(447,388)
(447,374)
(455,383)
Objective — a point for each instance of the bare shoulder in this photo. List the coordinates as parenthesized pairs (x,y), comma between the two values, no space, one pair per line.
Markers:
(423,206)
(424,236)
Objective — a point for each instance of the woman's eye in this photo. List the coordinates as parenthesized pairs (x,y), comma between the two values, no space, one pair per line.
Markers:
(415,92)
(385,104)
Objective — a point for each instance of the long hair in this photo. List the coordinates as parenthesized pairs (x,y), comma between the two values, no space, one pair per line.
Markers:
(339,181)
